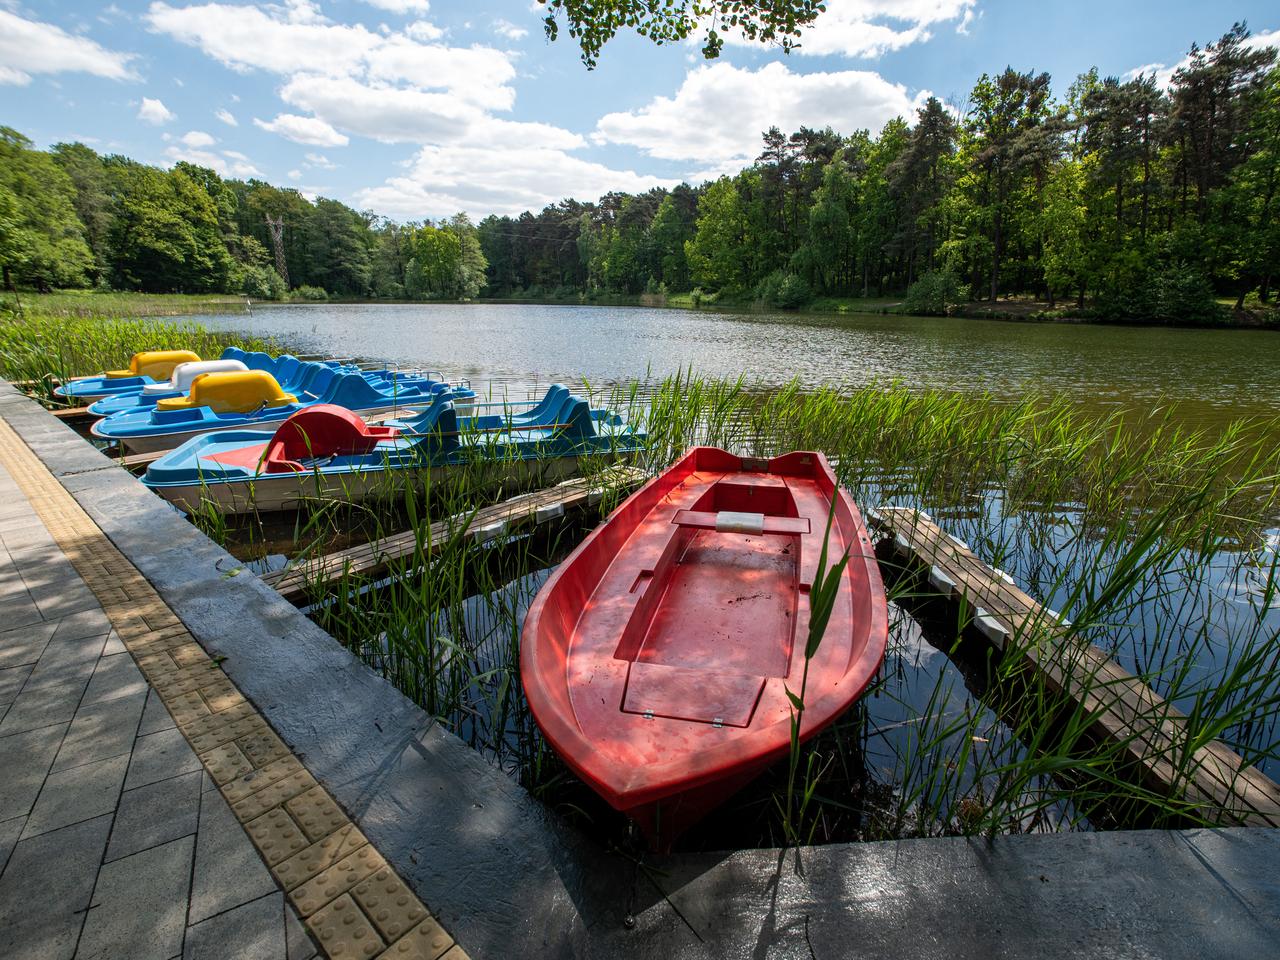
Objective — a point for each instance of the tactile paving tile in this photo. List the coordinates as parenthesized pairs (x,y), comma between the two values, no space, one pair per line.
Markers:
(203,725)
(343,931)
(187,654)
(276,836)
(221,694)
(332,882)
(388,902)
(272,795)
(426,941)
(157,665)
(225,763)
(455,953)
(226,732)
(251,780)
(316,812)
(186,707)
(319,856)
(262,748)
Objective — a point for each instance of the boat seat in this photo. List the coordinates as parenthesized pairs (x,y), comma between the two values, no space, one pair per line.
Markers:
(321,431)
(734,521)
(682,693)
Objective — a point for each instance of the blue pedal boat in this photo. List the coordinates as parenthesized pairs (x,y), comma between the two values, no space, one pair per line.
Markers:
(254,400)
(328,451)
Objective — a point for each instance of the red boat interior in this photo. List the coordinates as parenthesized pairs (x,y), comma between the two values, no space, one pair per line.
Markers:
(657,658)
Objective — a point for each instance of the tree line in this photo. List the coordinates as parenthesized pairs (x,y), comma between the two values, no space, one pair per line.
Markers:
(1122,197)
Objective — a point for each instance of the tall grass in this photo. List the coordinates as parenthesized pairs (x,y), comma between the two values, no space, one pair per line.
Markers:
(40,345)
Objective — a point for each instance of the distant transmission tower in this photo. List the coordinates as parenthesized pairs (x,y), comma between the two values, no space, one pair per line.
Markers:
(275,225)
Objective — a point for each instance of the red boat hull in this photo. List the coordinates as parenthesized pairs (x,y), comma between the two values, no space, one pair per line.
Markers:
(656,659)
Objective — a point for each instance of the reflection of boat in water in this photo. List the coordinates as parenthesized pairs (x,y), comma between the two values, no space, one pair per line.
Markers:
(328,451)
(657,658)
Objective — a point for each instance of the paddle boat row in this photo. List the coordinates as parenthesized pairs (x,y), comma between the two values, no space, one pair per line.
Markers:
(254,400)
(293,375)
(658,657)
(326,450)
(153,372)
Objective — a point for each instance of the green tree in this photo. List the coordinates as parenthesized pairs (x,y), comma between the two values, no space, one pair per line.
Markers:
(43,243)
(717,252)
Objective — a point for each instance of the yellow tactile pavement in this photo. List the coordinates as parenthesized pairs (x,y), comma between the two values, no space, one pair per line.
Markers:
(351,899)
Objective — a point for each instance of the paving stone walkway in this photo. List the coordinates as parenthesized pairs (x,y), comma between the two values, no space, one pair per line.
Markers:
(147,811)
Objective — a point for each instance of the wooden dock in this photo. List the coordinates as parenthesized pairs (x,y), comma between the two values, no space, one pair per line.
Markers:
(1122,708)
(376,557)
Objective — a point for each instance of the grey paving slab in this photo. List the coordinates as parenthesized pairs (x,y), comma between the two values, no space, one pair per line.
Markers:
(19,611)
(19,645)
(10,830)
(228,870)
(25,759)
(156,716)
(139,905)
(42,707)
(252,931)
(114,645)
(75,794)
(113,677)
(298,942)
(46,887)
(11,681)
(84,623)
(155,814)
(66,661)
(55,603)
(101,730)
(158,756)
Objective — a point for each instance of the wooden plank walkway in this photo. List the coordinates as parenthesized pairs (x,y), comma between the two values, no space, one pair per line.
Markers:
(374,558)
(1124,710)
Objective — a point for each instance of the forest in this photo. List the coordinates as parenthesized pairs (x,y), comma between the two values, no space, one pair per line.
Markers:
(1119,199)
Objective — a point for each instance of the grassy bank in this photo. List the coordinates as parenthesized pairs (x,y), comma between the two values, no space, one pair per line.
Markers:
(58,336)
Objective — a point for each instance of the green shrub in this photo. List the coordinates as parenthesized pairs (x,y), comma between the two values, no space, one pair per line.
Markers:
(935,294)
(306,292)
(1177,293)
(784,290)
(262,283)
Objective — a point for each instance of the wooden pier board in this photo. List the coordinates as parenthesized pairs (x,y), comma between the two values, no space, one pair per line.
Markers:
(1124,709)
(374,558)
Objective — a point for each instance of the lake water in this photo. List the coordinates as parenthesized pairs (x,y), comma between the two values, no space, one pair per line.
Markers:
(1213,375)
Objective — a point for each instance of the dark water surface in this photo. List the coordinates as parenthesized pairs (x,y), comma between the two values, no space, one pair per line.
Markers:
(1213,375)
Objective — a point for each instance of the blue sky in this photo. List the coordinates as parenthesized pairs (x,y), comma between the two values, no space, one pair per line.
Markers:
(421,108)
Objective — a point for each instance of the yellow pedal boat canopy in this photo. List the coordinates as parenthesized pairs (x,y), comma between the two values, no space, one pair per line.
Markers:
(156,364)
(240,391)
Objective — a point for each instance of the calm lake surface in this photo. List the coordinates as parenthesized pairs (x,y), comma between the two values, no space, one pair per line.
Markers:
(1212,375)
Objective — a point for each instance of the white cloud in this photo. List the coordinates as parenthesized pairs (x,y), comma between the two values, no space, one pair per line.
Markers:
(423,30)
(505,28)
(716,117)
(228,163)
(495,177)
(226,117)
(154,112)
(301,41)
(320,161)
(871,28)
(196,139)
(294,174)
(308,130)
(30,46)
(400,6)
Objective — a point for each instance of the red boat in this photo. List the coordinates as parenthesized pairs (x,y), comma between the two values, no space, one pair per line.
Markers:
(656,658)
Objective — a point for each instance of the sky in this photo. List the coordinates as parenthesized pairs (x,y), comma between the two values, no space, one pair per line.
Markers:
(419,109)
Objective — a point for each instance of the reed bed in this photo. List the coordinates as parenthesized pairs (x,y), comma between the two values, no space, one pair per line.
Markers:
(1151,539)
(44,343)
